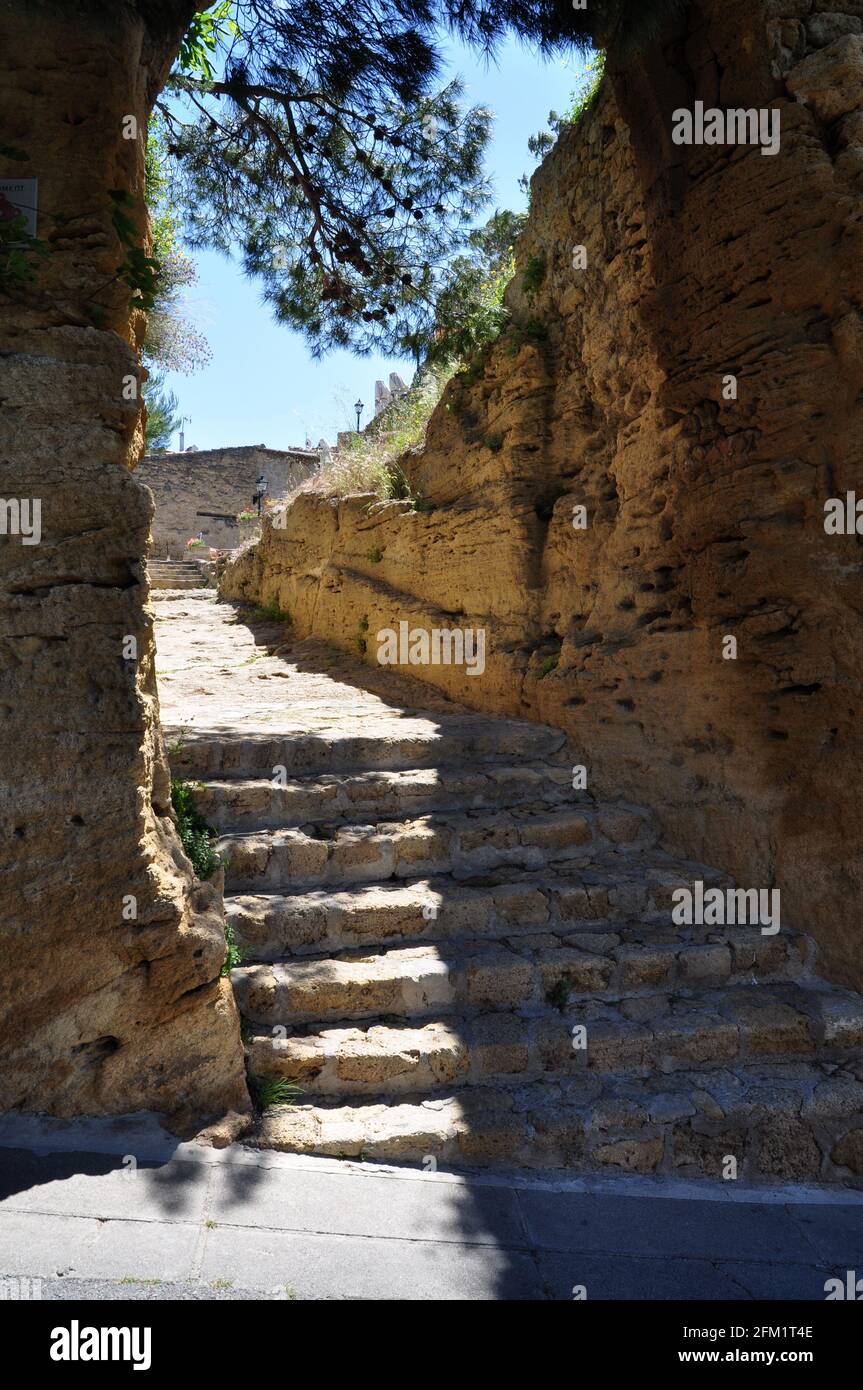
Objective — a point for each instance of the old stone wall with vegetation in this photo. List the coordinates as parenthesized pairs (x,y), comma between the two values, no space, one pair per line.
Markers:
(695,388)
(204,491)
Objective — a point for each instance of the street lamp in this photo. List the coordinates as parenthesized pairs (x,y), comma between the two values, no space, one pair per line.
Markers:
(184,420)
(260,492)
(359,408)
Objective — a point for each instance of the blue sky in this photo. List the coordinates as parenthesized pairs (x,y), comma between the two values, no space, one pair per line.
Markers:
(262,386)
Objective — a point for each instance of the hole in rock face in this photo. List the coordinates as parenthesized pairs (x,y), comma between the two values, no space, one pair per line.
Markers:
(96,1050)
(76,820)
(19,832)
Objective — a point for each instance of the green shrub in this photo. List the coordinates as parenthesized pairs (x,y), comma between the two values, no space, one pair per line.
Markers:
(533,275)
(585,95)
(195,835)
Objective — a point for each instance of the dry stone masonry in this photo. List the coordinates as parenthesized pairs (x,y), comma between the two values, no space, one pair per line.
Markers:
(457,956)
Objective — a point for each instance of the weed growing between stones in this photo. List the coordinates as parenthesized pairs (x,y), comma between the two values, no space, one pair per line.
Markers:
(271,612)
(558,995)
(533,331)
(234,954)
(195,834)
(268,1091)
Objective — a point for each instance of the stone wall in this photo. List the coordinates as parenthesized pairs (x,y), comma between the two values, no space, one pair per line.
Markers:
(705,512)
(112,999)
(205,489)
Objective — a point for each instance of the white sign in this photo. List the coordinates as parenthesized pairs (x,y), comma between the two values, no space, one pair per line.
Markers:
(17,197)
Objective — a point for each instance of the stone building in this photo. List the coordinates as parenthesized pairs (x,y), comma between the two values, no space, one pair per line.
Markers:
(201,491)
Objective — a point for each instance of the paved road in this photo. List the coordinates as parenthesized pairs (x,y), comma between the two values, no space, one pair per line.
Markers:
(117,1210)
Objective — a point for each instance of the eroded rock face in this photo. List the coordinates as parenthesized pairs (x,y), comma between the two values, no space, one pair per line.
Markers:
(107,1007)
(705,510)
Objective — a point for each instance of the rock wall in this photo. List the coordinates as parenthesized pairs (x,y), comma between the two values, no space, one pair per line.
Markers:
(704,511)
(204,490)
(112,999)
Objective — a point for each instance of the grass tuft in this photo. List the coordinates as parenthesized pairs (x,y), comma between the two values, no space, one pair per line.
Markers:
(269,1091)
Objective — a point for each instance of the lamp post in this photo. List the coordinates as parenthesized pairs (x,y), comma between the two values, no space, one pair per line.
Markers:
(260,492)
(359,408)
(184,420)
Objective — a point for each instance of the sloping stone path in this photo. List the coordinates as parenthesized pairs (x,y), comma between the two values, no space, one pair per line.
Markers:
(430,914)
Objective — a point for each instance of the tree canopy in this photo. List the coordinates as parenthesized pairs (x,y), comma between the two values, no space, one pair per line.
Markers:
(319,141)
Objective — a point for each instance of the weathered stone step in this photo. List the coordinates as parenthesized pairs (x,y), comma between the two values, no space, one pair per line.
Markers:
(612,893)
(247,804)
(174,585)
(450,842)
(779,1122)
(629,960)
(387,743)
(172,594)
(548,976)
(705,1030)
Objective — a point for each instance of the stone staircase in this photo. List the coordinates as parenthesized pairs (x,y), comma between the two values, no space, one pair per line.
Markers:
(455,956)
(175,574)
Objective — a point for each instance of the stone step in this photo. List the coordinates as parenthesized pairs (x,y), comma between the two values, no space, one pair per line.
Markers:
(248,804)
(172,594)
(543,976)
(707,1029)
(777,1122)
(175,585)
(624,961)
(609,895)
(178,567)
(388,743)
(327,856)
